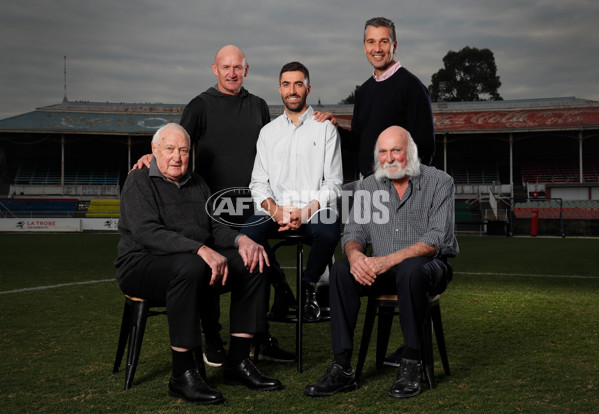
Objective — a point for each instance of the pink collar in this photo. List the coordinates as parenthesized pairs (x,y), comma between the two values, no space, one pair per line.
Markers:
(388,73)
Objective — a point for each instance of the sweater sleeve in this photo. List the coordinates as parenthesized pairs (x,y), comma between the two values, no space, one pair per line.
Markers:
(419,119)
(193,120)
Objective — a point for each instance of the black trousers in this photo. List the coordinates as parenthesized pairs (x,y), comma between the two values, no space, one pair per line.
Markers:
(181,281)
(413,280)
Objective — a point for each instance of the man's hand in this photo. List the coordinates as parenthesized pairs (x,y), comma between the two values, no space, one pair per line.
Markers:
(379,264)
(144,161)
(252,254)
(360,269)
(283,216)
(323,116)
(217,262)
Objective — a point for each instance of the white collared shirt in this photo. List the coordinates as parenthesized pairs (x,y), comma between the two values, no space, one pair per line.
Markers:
(297,164)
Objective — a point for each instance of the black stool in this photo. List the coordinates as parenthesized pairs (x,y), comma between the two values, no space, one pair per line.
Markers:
(133,326)
(386,304)
(299,239)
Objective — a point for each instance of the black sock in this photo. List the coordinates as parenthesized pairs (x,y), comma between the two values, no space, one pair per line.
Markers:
(344,359)
(238,350)
(410,353)
(182,361)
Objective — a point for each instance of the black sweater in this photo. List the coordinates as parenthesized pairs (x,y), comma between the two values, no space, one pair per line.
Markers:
(158,217)
(400,100)
(225,129)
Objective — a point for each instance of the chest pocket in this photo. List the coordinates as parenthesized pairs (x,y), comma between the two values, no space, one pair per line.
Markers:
(418,220)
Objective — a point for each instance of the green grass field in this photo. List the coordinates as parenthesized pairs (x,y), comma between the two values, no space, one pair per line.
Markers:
(521,321)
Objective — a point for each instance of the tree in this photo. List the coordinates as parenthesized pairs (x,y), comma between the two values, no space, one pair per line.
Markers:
(351,98)
(469,75)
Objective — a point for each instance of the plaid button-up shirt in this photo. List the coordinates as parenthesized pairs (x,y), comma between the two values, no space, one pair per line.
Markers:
(424,214)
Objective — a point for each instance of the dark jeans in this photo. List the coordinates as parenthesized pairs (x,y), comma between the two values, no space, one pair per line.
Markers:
(181,281)
(323,229)
(414,280)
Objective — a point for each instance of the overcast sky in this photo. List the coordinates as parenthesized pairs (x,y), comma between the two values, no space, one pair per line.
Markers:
(161,51)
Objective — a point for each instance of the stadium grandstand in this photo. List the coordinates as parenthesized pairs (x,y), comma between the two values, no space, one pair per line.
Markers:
(508,159)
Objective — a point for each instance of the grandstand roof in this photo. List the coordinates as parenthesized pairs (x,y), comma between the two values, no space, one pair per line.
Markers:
(568,113)
(550,114)
(95,118)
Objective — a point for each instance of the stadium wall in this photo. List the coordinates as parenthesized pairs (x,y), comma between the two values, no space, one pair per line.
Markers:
(56,225)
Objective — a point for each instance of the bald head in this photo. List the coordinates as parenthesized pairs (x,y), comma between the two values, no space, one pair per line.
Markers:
(229,50)
(230,67)
(395,154)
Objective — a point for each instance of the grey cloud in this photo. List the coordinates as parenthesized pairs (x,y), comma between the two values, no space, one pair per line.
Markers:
(155,51)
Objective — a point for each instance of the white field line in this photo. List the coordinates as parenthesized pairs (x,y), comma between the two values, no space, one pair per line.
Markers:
(89,282)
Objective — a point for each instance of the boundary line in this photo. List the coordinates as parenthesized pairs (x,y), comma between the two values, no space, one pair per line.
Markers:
(90,282)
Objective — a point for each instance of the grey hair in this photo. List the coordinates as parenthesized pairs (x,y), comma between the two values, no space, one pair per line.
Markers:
(412,167)
(381,22)
(158,134)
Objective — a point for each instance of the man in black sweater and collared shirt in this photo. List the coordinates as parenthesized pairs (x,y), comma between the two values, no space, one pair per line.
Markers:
(391,96)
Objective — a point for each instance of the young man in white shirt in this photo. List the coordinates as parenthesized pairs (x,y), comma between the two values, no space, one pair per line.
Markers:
(297,178)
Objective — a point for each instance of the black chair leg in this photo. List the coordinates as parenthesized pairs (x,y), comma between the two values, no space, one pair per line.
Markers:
(137,329)
(439,334)
(427,351)
(123,336)
(366,335)
(386,313)
(299,328)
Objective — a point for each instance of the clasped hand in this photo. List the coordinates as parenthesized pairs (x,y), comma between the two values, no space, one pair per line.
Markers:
(365,269)
(291,217)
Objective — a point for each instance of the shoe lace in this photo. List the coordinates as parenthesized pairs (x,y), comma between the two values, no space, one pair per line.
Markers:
(327,373)
(249,365)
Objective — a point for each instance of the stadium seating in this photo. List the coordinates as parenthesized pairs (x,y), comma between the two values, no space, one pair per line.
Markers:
(585,210)
(104,208)
(77,173)
(30,207)
(475,173)
(463,211)
(549,170)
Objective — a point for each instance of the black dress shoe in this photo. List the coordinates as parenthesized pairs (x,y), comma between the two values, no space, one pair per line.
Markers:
(191,387)
(408,379)
(334,380)
(310,308)
(247,374)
